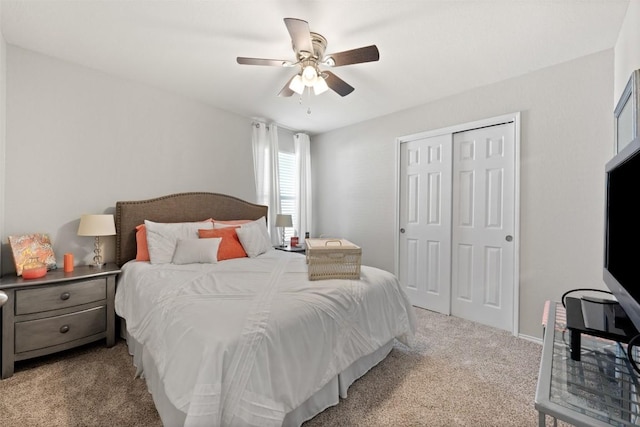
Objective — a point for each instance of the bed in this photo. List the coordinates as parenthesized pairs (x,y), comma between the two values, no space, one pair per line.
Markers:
(247,341)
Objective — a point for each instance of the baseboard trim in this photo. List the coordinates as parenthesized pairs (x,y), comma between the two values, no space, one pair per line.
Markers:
(530,338)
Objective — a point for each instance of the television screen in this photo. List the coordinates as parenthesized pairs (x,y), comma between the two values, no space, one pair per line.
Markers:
(622,229)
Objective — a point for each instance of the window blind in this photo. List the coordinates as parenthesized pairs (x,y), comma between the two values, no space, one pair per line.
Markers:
(286,174)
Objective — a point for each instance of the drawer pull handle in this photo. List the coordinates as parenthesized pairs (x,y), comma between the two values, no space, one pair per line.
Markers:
(65,296)
(64,329)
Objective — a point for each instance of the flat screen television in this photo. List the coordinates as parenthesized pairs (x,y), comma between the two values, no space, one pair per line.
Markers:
(622,229)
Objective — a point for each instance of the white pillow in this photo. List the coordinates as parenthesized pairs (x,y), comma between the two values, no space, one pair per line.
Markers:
(254,237)
(162,237)
(191,251)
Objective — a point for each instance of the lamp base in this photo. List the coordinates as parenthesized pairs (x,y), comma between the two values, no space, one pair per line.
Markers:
(97,265)
(283,243)
(97,259)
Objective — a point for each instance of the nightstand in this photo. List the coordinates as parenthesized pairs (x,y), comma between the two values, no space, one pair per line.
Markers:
(56,312)
(297,249)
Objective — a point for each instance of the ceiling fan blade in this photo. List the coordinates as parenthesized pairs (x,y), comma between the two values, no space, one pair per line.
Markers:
(261,61)
(300,35)
(338,85)
(354,56)
(286,91)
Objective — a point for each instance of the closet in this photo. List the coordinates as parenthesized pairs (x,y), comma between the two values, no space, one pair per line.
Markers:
(457,227)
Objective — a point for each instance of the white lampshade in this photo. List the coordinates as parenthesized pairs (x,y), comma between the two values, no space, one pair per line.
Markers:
(284,221)
(320,86)
(96,225)
(297,85)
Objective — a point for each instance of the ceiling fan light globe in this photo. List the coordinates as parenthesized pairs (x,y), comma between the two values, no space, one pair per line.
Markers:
(297,85)
(320,86)
(309,75)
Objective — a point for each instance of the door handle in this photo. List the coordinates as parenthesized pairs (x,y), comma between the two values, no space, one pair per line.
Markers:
(402,230)
(508,238)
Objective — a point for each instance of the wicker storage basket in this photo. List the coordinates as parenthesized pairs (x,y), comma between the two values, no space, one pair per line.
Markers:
(333,259)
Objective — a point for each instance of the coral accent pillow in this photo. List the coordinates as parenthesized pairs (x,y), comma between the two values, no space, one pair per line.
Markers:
(142,252)
(230,223)
(230,246)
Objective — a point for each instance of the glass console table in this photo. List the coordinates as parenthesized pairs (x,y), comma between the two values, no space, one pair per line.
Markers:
(599,390)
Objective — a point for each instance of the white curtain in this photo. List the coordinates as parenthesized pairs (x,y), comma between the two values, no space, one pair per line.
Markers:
(302,148)
(265,165)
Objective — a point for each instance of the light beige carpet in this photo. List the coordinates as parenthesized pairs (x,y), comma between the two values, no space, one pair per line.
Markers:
(458,374)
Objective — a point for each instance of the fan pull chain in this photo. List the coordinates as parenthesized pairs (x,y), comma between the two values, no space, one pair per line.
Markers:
(308,99)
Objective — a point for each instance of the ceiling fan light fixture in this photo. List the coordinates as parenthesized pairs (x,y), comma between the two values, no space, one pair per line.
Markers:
(309,49)
(320,86)
(309,75)
(297,85)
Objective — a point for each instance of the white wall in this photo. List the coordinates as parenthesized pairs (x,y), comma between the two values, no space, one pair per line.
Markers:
(627,49)
(79,140)
(566,138)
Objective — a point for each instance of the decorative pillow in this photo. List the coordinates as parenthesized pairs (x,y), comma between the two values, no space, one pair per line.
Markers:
(191,251)
(254,237)
(230,223)
(142,252)
(230,247)
(162,237)
(142,248)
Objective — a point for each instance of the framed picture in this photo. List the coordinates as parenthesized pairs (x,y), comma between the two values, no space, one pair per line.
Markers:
(27,246)
(626,115)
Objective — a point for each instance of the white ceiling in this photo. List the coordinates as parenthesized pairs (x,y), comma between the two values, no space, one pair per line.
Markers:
(429,49)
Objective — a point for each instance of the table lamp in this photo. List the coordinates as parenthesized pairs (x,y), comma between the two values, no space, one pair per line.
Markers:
(283,221)
(97,225)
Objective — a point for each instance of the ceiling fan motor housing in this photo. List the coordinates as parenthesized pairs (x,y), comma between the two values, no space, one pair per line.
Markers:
(319,45)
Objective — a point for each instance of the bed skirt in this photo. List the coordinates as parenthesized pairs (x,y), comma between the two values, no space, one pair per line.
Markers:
(327,396)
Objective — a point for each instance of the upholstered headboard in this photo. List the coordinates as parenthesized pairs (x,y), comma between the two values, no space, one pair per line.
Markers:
(182,207)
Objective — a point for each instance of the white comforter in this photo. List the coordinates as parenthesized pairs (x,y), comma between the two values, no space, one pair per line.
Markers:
(245,341)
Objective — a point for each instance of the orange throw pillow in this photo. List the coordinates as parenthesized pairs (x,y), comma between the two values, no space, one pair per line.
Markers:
(142,252)
(230,246)
(232,222)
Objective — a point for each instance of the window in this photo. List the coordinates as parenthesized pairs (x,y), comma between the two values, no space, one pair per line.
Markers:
(286,175)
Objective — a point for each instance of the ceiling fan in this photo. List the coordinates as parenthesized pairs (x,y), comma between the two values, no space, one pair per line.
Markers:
(309,48)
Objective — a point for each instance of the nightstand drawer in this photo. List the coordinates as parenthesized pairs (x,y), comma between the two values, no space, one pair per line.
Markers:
(55,297)
(36,334)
